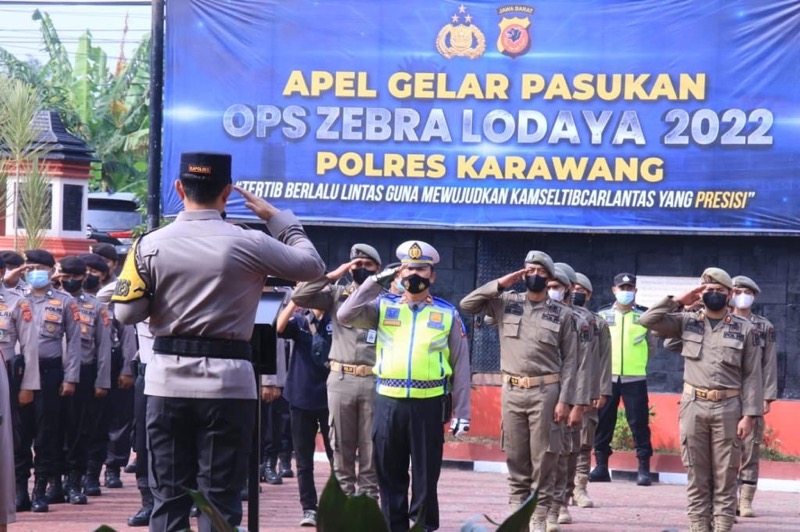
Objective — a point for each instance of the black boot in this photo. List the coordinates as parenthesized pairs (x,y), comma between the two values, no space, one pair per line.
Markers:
(38,501)
(268,473)
(91,482)
(131,467)
(55,491)
(643,475)
(600,472)
(23,499)
(112,480)
(73,488)
(142,517)
(285,470)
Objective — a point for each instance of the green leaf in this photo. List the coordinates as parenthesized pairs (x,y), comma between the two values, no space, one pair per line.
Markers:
(104,528)
(519,521)
(218,523)
(81,87)
(339,513)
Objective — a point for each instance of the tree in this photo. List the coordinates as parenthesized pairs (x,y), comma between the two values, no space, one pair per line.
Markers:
(109,110)
(22,156)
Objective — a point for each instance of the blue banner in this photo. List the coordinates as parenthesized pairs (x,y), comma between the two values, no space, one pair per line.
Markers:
(587,115)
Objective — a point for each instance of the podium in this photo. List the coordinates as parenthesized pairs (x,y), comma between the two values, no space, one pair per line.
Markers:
(264,363)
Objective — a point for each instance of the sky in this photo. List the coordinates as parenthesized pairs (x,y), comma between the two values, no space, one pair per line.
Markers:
(20,34)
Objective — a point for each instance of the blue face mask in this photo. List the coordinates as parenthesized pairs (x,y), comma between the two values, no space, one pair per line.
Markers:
(38,278)
(625,298)
(399,286)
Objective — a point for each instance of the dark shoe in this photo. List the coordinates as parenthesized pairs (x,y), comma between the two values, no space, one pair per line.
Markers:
(285,469)
(195,511)
(142,517)
(131,467)
(23,500)
(91,485)
(73,488)
(268,473)
(600,472)
(643,475)
(112,480)
(55,491)
(38,501)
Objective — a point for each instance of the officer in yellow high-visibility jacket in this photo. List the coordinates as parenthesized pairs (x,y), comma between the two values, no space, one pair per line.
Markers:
(422,357)
(631,345)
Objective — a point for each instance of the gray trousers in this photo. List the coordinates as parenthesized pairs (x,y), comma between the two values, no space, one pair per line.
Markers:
(351,401)
(751,451)
(202,444)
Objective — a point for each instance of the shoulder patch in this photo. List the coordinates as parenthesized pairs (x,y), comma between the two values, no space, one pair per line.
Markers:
(104,315)
(25,309)
(513,307)
(76,313)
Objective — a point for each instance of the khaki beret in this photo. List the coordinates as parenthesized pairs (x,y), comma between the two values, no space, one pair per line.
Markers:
(562,277)
(718,276)
(364,251)
(583,281)
(542,258)
(742,281)
(569,270)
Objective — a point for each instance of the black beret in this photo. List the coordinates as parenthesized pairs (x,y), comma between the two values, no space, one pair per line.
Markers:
(73,265)
(206,166)
(39,256)
(94,261)
(105,250)
(12,258)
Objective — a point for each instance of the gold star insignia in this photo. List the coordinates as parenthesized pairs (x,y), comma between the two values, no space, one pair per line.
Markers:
(468,18)
(462,9)
(455,19)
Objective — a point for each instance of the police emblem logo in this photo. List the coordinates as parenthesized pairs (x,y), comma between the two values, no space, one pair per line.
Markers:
(50,327)
(436,317)
(415,251)
(515,39)
(461,38)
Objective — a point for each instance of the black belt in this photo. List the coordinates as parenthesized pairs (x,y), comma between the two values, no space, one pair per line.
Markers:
(50,363)
(203,347)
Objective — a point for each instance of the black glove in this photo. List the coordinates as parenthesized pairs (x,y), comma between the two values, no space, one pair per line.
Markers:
(385,277)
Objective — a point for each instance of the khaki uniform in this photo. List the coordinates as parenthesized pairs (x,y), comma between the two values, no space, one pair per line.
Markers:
(585,393)
(351,388)
(539,341)
(751,446)
(601,386)
(724,358)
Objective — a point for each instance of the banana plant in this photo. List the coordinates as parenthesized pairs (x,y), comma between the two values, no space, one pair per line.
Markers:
(107,109)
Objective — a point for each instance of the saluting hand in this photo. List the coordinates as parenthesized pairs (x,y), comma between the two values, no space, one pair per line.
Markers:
(12,277)
(691,297)
(340,272)
(260,207)
(509,280)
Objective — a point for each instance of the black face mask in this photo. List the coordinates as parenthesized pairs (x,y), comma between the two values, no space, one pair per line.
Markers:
(72,286)
(535,283)
(360,274)
(714,300)
(579,299)
(416,284)
(91,282)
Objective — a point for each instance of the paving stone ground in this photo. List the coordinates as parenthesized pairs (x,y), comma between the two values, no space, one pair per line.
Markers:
(463,494)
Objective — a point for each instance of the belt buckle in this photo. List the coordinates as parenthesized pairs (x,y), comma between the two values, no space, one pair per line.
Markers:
(348,368)
(514,381)
(701,394)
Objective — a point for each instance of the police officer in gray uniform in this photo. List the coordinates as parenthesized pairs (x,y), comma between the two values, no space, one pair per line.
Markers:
(16,324)
(351,383)
(84,408)
(57,318)
(199,280)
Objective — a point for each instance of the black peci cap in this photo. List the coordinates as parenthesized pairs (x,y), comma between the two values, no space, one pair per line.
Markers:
(94,261)
(206,166)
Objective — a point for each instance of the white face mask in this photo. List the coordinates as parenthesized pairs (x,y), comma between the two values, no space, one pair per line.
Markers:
(625,297)
(743,300)
(556,294)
